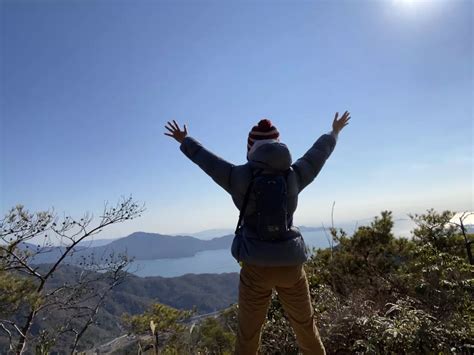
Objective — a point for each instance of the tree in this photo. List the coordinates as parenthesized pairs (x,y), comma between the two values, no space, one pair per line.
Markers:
(159,321)
(374,292)
(468,238)
(380,294)
(26,289)
(437,230)
(213,338)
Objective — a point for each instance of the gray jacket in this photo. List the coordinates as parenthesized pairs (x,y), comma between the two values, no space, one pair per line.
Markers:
(235,179)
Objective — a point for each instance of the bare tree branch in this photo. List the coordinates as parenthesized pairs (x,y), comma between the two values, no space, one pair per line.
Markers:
(86,293)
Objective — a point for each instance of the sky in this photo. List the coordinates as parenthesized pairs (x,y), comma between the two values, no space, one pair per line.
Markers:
(87,87)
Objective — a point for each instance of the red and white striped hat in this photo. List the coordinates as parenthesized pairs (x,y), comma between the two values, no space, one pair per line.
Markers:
(265,130)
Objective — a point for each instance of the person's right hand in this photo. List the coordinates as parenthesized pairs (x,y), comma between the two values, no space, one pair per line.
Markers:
(176,132)
(339,124)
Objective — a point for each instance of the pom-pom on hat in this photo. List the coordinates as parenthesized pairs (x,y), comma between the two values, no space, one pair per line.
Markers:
(265,130)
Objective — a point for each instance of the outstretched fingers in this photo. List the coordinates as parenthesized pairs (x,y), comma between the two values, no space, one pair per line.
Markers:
(169,129)
(339,123)
(176,126)
(345,118)
(171,126)
(175,132)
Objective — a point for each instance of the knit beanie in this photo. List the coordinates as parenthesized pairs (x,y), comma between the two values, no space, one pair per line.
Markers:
(265,130)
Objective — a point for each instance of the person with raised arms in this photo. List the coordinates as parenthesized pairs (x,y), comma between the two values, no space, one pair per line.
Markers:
(269,248)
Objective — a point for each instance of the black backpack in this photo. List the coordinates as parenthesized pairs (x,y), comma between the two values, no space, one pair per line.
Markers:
(271,214)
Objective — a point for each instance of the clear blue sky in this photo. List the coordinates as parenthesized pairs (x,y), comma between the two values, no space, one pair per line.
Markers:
(87,87)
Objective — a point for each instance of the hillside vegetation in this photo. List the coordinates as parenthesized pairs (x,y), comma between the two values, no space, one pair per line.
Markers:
(58,307)
(203,293)
(373,294)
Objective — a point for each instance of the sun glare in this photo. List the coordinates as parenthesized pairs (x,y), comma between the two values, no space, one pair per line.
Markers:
(418,7)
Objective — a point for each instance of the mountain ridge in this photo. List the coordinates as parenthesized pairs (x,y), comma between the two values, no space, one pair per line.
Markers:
(138,246)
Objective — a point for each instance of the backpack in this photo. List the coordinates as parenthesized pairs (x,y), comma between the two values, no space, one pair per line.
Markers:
(271,195)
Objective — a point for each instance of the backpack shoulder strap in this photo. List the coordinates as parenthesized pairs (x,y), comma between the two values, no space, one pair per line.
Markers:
(246,198)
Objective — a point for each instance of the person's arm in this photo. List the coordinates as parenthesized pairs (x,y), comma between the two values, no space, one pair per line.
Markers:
(217,168)
(310,164)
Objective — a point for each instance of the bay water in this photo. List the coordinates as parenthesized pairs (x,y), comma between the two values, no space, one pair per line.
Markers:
(208,261)
(220,261)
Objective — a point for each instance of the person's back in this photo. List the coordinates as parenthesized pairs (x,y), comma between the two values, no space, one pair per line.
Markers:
(267,264)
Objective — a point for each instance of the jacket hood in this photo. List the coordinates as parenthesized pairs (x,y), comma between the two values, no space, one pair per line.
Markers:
(273,156)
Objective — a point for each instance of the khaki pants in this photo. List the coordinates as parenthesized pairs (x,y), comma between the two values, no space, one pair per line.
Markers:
(255,290)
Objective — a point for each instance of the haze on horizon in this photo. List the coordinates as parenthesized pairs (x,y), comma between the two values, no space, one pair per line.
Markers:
(87,87)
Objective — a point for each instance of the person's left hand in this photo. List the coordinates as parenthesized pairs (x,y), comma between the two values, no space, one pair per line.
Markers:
(176,132)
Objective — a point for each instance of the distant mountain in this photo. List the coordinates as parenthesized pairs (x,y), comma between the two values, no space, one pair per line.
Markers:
(210,233)
(96,242)
(148,246)
(138,245)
